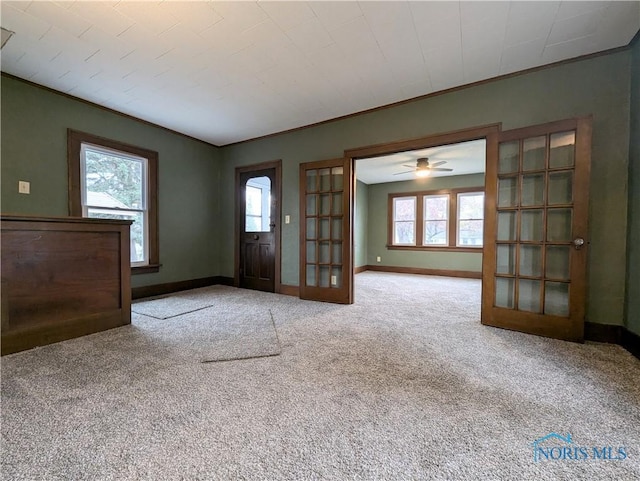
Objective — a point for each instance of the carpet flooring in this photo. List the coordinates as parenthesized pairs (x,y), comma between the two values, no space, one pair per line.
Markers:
(405,384)
(170,306)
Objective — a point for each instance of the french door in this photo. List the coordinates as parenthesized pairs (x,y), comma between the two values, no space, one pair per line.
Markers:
(535,255)
(326,238)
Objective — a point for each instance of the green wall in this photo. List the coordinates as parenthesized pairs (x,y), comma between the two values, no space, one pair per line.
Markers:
(360,241)
(34,148)
(597,86)
(633,244)
(377,233)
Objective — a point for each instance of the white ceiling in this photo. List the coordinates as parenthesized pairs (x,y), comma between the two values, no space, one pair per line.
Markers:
(464,158)
(229,71)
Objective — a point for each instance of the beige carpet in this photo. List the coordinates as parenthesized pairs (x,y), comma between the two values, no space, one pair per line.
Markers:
(403,385)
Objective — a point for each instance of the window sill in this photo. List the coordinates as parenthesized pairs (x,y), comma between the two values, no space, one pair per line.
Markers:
(435,248)
(150,269)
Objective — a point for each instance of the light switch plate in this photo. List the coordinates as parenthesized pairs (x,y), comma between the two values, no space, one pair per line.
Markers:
(24,187)
(287,219)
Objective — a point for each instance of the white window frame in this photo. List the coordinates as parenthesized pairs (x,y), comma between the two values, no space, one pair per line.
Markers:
(459,219)
(144,209)
(446,220)
(415,219)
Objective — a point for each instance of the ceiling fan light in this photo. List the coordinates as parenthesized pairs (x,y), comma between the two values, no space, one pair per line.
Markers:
(422,173)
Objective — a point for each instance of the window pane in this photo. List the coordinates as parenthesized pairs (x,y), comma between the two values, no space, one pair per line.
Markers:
(113,181)
(436,207)
(404,208)
(137,230)
(470,219)
(254,201)
(404,233)
(470,232)
(435,232)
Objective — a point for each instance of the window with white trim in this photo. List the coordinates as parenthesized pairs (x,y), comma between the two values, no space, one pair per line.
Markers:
(444,219)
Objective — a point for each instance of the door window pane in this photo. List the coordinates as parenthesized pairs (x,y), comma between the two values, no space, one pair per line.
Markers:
(508,192)
(258,204)
(505,292)
(312,204)
(336,277)
(325,204)
(557,265)
(312,180)
(506,226)
(533,151)
(506,259)
(337,178)
(532,190)
(559,225)
(311,252)
(311,275)
(530,261)
(556,298)
(325,252)
(531,225)
(529,295)
(560,187)
(562,149)
(325,180)
(509,153)
(336,253)
(324,272)
(336,204)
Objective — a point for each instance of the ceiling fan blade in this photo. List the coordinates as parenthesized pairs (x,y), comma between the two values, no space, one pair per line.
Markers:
(407,172)
(409,166)
(441,169)
(436,164)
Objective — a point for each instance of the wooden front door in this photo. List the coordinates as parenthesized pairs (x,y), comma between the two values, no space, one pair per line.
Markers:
(258,228)
(535,258)
(326,236)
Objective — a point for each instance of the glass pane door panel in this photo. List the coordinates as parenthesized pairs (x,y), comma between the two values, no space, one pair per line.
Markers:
(533,151)
(325,272)
(506,226)
(337,178)
(336,204)
(336,276)
(312,181)
(311,252)
(506,259)
(311,228)
(311,275)
(558,225)
(336,253)
(508,192)
(325,180)
(509,156)
(336,228)
(505,292)
(556,298)
(560,188)
(324,229)
(531,225)
(325,204)
(529,295)
(312,204)
(325,253)
(562,149)
(532,190)
(557,265)
(530,261)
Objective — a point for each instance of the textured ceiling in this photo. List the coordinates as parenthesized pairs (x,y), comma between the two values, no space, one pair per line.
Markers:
(463,158)
(229,71)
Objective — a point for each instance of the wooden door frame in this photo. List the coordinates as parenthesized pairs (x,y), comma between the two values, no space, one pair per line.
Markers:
(488,132)
(277,198)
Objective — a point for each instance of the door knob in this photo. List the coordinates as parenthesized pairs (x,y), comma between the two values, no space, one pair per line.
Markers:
(578,242)
(256,237)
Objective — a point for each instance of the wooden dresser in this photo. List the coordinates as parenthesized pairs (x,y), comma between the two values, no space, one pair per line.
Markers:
(62,277)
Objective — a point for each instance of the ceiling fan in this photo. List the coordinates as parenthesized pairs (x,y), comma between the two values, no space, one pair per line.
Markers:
(423,167)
